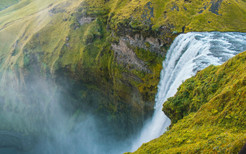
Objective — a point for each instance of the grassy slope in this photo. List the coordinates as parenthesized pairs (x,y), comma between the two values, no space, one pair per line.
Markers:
(195,15)
(29,30)
(20,22)
(213,106)
(6,3)
(18,25)
(31,33)
(49,35)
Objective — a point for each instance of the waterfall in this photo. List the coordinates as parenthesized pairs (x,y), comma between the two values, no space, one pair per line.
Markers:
(188,54)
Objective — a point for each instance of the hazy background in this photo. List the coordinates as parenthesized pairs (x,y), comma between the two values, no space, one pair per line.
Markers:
(36,118)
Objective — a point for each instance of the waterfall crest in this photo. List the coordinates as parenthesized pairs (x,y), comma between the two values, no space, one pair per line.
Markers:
(188,54)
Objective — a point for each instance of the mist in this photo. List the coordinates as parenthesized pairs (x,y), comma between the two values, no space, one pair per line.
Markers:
(37,118)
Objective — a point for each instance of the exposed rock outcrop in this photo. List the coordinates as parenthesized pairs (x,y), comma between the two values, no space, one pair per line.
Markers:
(126,56)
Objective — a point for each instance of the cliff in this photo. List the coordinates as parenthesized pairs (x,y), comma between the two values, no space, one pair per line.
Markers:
(105,55)
(207,113)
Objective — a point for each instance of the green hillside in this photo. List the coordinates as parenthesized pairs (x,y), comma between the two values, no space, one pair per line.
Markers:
(6,3)
(105,54)
(208,112)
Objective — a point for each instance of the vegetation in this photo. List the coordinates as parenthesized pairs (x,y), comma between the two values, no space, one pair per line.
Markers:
(179,15)
(74,39)
(207,113)
(6,3)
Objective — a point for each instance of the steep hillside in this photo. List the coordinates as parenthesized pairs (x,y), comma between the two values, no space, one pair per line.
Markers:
(6,3)
(105,54)
(207,113)
(179,15)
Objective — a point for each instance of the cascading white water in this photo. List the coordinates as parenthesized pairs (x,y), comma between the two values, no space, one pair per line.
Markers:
(189,53)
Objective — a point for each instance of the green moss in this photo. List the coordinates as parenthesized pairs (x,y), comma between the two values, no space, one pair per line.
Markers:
(207,113)
(148,86)
(194,15)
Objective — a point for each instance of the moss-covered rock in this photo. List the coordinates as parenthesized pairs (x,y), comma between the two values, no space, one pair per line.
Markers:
(207,113)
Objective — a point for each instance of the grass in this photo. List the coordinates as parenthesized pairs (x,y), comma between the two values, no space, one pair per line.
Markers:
(180,13)
(7,3)
(19,23)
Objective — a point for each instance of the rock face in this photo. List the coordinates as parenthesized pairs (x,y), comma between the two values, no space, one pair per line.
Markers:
(105,55)
(152,44)
(126,56)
